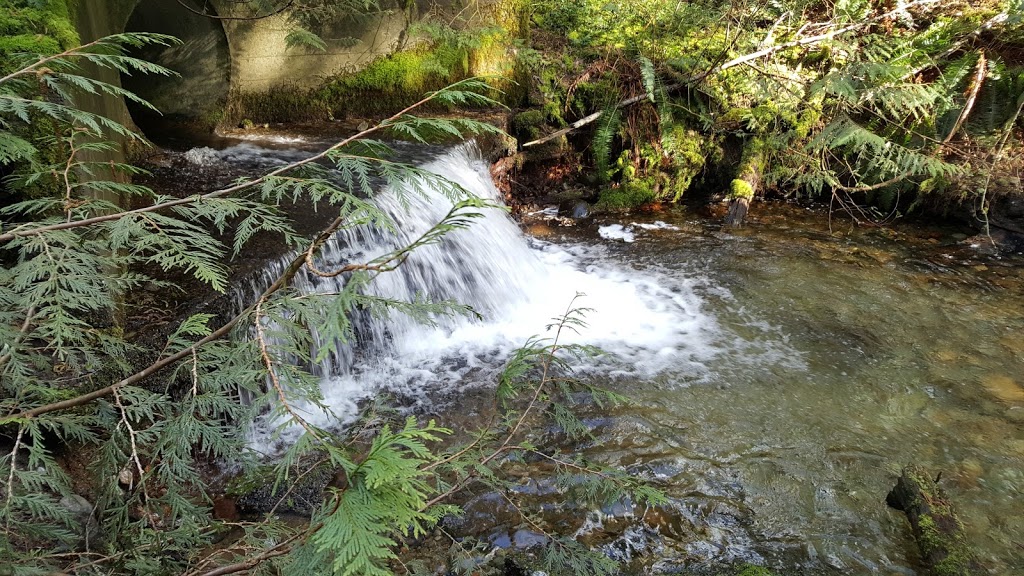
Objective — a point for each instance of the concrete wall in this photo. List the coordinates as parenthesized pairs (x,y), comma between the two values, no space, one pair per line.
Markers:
(251,56)
(261,59)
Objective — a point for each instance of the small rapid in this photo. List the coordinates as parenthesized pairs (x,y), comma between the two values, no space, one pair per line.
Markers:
(781,374)
(646,322)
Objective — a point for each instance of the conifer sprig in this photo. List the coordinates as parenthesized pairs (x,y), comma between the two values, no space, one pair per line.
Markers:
(68,370)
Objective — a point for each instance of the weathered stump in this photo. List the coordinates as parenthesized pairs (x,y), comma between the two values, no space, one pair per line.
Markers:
(738,206)
(747,182)
(936,528)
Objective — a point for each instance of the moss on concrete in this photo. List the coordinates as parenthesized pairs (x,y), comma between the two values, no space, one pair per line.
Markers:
(34,27)
(386,85)
(285,104)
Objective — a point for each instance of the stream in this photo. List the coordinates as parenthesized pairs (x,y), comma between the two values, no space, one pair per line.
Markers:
(782,374)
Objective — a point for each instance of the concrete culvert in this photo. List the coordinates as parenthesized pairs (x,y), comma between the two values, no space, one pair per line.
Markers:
(202,62)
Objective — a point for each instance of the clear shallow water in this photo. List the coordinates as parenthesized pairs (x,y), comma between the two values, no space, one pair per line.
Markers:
(910,352)
(782,374)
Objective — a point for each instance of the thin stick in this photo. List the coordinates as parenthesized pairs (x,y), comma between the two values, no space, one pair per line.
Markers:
(979,79)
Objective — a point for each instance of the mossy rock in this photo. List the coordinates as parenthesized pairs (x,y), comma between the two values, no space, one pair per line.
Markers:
(40,27)
(529,125)
(625,197)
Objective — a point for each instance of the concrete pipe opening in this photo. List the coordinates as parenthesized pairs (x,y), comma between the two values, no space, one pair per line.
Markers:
(194,98)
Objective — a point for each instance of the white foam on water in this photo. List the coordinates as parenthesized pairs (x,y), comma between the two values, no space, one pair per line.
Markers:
(617,232)
(656,225)
(268,138)
(648,322)
(251,154)
(202,156)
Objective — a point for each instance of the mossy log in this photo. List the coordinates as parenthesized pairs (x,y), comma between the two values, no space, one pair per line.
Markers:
(747,182)
(936,528)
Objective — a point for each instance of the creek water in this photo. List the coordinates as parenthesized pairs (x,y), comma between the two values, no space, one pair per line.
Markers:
(781,374)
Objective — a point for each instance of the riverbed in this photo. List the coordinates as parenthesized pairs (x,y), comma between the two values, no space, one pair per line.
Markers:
(903,347)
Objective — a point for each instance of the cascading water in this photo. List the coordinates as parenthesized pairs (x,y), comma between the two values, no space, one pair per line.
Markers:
(648,324)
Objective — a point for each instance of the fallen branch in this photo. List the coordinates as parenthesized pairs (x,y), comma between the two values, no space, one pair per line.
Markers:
(588,119)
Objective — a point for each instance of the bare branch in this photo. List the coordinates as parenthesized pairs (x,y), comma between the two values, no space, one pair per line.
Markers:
(979,78)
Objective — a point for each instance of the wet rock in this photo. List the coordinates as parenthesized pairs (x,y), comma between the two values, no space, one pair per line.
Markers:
(481,515)
(224,508)
(581,210)
(540,230)
(81,512)
(259,496)
(528,539)
(968,474)
(634,542)
(936,527)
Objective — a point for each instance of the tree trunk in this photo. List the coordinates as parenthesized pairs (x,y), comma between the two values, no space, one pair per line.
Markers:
(936,528)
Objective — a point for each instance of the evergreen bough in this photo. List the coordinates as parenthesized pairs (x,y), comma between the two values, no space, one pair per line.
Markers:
(70,378)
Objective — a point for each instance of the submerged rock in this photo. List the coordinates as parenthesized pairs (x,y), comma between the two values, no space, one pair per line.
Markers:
(1004,388)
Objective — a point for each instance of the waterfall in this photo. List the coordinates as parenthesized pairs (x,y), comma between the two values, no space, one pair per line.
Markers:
(487,266)
(648,323)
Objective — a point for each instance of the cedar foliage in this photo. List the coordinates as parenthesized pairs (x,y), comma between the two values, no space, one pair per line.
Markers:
(71,379)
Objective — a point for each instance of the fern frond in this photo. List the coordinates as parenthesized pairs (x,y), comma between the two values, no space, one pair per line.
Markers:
(601,145)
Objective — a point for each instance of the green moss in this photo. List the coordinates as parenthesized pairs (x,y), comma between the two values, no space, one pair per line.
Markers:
(688,151)
(285,104)
(627,196)
(396,80)
(740,189)
(34,27)
(752,570)
(596,94)
(527,125)
(959,560)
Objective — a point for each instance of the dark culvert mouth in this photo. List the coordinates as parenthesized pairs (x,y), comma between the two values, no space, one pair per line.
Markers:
(193,100)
